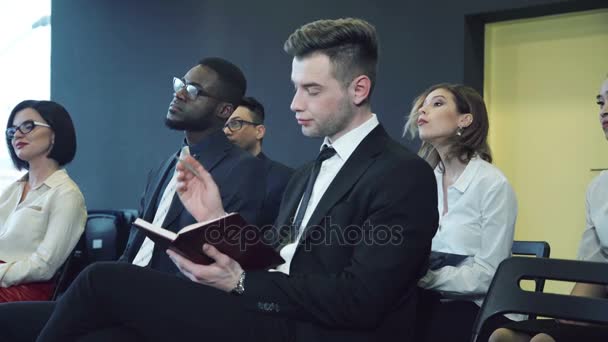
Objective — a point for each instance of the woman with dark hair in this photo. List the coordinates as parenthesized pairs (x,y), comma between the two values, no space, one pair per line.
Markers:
(43,214)
(477,208)
(593,247)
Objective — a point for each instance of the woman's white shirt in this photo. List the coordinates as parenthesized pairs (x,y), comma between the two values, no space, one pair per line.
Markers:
(480,223)
(38,234)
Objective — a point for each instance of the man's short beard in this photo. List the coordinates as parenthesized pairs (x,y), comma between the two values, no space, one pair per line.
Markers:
(339,121)
(187,125)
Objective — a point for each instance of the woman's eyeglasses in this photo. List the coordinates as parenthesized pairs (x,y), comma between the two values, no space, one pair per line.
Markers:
(25,127)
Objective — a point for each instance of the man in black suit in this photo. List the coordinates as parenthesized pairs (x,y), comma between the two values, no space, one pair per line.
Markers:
(246,128)
(359,232)
(203,99)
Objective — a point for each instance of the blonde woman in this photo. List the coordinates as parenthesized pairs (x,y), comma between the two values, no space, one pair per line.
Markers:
(477,209)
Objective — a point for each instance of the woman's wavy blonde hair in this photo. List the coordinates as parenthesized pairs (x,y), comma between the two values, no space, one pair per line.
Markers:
(474,138)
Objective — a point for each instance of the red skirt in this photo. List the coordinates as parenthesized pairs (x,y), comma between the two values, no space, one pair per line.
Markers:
(27,292)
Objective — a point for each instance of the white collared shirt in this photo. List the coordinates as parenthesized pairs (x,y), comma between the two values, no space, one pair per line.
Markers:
(38,234)
(480,222)
(344,146)
(594,244)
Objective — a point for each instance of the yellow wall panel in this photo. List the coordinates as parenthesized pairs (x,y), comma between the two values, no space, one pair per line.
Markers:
(541,79)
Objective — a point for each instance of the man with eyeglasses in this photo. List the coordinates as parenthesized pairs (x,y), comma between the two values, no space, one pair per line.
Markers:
(246,129)
(202,101)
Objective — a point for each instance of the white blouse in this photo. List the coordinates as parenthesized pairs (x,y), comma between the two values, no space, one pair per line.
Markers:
(38,234)
(594,244)
(480,223)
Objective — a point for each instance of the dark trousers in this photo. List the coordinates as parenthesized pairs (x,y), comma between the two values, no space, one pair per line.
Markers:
(122,302)
(449,320)
(23,322)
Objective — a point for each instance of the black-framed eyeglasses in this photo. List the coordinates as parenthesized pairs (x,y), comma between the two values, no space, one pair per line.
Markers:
(25,127)
(191,90)
(237,124)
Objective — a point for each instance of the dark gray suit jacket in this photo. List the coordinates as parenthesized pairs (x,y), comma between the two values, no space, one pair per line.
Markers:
(239,176)
(277,176)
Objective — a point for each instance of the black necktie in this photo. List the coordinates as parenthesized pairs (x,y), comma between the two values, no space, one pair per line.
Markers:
(326,153)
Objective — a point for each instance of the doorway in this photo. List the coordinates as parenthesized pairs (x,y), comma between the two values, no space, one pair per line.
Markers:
(541,76)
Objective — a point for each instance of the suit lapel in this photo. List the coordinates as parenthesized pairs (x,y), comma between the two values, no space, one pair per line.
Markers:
(164,172)
(295,190)
(213,151)
(150,204)
(356,165)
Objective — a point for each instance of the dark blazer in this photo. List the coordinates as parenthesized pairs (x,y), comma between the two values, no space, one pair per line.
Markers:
(277,176)
(239,176)
(354,274)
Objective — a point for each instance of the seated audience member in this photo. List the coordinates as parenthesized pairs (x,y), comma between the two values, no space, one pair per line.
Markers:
(593,247)
(203,99)
(358,287)
(43,214)
(477,208)
(246,128)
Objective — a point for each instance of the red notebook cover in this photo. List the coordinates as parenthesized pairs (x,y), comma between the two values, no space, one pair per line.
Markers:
(230,234)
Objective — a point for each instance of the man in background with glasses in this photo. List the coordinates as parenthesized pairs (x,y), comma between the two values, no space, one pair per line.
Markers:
(246,129)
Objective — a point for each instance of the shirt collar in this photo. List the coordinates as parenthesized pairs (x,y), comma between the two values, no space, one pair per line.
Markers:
(467,176)
(346,144)
(55,179)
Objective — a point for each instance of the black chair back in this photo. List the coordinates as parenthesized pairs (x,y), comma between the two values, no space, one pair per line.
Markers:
(101,237)
(70,268)
(506,296)
(107,233)
(104,239)
(539,249)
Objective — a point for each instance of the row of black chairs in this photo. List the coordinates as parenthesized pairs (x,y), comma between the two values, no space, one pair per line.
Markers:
(507,296)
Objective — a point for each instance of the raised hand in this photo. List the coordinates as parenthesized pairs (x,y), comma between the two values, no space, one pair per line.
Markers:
(197,190)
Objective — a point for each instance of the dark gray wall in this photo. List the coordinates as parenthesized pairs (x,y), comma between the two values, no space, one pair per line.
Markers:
(112,63)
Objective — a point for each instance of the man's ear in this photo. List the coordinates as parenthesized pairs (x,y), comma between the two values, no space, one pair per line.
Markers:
(260,131)
(361,86)
(226,111)
(465,120)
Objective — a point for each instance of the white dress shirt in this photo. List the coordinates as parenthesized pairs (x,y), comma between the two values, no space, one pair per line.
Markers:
(344,146)
(480,223)
(38,234)
(144,255)
(594,244)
